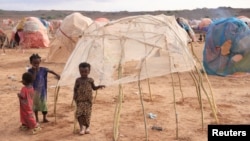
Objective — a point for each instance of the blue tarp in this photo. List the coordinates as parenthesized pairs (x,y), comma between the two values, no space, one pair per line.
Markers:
(220,31)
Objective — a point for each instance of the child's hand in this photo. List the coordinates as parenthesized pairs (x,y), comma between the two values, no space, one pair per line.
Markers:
(101,86)
(58,77)
(18,95)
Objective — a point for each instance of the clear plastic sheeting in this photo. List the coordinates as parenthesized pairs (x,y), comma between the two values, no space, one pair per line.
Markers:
(130,49)
(227,47)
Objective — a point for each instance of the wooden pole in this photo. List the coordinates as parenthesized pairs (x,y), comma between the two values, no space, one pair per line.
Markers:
(175,110)
(212,103)
(198,92)
(141,100)
(180,86)
(56,98)
(205,74)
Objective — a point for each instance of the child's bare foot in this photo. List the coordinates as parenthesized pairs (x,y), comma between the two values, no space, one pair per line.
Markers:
(87,131)
(45,121)
(82,132)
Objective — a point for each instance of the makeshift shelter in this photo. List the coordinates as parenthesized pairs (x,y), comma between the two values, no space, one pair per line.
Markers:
(245,19)
(66,37)
(8,22)
(128,40)
(3,39)
(185,25)
(31,33)
(102,20)
(227,47)
(204,24)
(55,24)
(194,24)
(129,50)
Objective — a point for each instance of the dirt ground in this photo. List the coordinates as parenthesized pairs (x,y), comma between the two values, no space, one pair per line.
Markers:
(231,94)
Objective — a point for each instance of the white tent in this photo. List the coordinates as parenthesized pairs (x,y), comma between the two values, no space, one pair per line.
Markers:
(67,36)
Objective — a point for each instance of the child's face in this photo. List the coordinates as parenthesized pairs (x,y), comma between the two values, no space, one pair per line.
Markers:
(35,63)
(84,71)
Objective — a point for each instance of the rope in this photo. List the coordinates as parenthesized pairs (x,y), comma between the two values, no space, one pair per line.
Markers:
(66,35)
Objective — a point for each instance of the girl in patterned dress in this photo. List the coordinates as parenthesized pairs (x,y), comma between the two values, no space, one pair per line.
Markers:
(83,97)
(40,85)
(26,105)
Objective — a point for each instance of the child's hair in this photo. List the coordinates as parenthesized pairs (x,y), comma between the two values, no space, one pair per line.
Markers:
(84,65)
(34,56)
(27,77)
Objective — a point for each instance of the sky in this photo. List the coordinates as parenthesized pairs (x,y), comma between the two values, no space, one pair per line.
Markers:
(119,5)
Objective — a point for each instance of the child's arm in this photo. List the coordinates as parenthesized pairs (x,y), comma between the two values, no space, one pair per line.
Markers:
(75,89)
(33,71)
(52,72)
(19,95)
(97,87)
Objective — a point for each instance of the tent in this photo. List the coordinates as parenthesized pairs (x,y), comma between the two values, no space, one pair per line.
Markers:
(245,19)
(227,47)
(102,20)
(128,50)
(55,24)
(31,33)
(98,22)
(194,23)
(204,24)
(185,25)
(67,36)
(8,22)
(3,38)
(133,42)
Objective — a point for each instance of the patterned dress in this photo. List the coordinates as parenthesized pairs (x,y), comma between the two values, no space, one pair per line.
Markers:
(26,107)
(40,87)
(83,97)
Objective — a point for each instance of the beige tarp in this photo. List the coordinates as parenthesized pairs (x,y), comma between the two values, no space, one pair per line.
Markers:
(67,36)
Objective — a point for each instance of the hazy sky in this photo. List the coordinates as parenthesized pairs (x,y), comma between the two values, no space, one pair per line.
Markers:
(119,5)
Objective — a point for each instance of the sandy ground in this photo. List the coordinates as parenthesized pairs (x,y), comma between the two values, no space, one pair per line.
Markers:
(232,97)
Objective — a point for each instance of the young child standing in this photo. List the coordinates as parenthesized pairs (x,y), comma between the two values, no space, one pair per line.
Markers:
(40,85)
(26,104)
(83,97)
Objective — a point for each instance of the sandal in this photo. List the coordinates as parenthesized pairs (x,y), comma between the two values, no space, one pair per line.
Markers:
(23,128)
(36,130)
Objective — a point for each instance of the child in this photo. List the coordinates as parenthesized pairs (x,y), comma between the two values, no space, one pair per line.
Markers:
(200,38)
(40,85)
(83,97)
(26,104)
